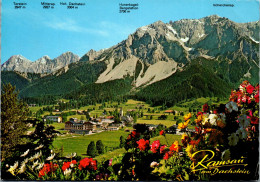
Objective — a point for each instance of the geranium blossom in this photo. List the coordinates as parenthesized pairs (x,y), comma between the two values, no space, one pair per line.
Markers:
(66,165)
(167,155)
(143,144)
(256,98)
(155,146)
(233,139)
(194,142)
(250,89)
(254,120)
(205,108)
(88,163)
(47,169)
(175,146)
(162,132)
(162,149)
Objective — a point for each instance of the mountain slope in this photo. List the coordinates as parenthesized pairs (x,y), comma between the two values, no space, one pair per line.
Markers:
(160,57)
(194,82)
(64,80)
(42,65)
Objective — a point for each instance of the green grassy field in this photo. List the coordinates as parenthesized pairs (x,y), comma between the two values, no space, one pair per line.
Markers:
(167,123)
(79,143)
(110,154)
(169,137)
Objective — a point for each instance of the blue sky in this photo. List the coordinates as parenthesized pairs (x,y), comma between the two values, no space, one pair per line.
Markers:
(34,32)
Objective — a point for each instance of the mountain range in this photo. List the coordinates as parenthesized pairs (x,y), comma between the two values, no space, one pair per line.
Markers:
(149,62)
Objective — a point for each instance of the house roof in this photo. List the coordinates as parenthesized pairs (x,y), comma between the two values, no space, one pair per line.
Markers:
(89,122)
(168,111)
(53,117)
(109,117)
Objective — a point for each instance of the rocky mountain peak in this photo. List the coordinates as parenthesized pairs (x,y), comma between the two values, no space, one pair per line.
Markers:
(42,65)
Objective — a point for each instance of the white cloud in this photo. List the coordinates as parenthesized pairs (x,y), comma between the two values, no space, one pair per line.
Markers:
(72,26)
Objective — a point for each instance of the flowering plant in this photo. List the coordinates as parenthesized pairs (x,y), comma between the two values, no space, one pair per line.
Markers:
(230,131)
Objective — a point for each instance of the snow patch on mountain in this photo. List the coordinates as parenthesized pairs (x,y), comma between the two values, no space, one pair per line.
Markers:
(254,40)
(171,29)
(186,39)
(201,35)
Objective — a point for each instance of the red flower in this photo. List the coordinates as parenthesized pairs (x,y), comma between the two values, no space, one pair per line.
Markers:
(65,166)
(205,107)
(133,172)
(162,149)
(256,98)
(162,132)
(254,120)
(88,163)
(244,98)
(173,147)
(143,144)
(194,142)
(133,134)
(250,89)
(199,113)
(167,155)
(155,146)
(197,129)
(47,169)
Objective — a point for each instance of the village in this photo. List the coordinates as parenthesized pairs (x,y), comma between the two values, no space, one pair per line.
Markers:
(108,123)
(111,122)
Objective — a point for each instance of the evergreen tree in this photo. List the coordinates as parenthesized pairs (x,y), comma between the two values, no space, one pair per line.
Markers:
(135,118)
(91,151)
(122,139)
(100,147)
(13,120)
